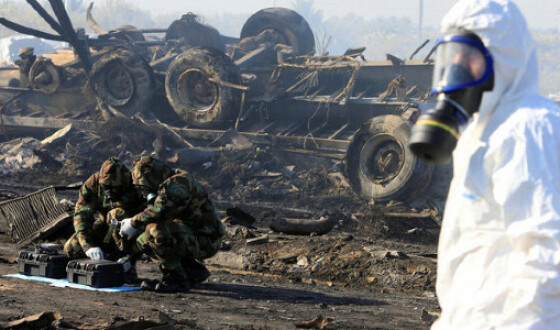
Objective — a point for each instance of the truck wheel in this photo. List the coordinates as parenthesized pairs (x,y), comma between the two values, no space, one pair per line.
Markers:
(45,76)
(189,31)
(123,81)
(194,87)
(380,166)
(292,29)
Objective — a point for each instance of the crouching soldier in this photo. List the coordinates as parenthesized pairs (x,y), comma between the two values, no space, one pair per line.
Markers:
(179,228)
(110,195)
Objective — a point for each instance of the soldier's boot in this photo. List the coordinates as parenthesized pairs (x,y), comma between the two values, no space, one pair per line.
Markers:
(175,280)
(196,271)
(131,277)
(129,266)
(149,285)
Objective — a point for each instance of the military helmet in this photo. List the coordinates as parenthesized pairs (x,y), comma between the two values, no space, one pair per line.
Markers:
(26,51)
(150,172)
(113,173)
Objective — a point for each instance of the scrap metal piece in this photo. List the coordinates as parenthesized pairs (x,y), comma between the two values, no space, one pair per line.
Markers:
(22,217)
(45,15)
(70,34)
(25,30)
(418,49)
(92,23)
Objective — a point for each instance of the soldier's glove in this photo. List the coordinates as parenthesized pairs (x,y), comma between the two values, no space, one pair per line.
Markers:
(95,253)
(127,231)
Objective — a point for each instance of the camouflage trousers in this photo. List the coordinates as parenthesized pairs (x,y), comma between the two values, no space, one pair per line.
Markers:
(105,236)
(170,242)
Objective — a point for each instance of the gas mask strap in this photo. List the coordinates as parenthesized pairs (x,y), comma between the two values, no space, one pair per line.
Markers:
(458,107)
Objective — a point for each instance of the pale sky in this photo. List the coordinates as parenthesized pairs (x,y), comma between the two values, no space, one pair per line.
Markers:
(539,13)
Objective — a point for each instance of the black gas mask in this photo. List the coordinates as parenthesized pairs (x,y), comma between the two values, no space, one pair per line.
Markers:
(112,193)
(463,71)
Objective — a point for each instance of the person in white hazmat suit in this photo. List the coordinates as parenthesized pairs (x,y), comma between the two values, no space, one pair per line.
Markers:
(499,247)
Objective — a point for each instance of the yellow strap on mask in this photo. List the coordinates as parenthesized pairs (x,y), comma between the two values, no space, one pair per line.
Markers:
(440,125)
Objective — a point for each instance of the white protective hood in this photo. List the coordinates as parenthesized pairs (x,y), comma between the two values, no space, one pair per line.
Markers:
(499,250)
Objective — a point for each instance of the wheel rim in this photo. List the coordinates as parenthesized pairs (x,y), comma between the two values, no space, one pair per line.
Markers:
(119,83)
(381,158)
(280,37)
(196,90)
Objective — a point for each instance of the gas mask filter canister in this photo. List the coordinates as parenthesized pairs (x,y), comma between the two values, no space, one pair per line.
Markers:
(463,71)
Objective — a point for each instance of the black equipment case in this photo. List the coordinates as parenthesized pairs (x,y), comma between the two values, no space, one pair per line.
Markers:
(45,261)
(95,273)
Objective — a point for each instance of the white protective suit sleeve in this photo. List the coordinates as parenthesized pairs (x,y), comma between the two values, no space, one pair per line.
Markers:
(499,248)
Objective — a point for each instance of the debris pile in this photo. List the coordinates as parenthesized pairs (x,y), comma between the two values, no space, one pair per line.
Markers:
(334,259)
(75,152)
(17,155)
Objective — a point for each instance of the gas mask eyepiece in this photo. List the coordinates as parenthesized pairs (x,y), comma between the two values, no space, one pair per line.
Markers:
(463,71)
(112,193)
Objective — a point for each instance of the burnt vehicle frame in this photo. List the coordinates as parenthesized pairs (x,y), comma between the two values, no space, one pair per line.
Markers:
(268,86)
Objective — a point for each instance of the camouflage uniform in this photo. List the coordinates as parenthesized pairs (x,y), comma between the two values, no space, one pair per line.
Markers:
(110,194)
(182,223)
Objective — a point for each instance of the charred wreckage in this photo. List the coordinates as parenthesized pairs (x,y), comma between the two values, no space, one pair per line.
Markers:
(268,85)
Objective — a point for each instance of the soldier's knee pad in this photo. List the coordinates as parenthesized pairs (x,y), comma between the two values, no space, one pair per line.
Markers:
(73,248)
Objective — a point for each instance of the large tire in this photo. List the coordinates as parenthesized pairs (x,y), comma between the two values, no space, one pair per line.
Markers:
(123,81)
(290,26)
(193,87)
(45,76)
(191,33)
(381,167)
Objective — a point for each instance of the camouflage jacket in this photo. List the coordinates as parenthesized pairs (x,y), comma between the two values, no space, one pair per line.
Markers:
(182,197)
(91,200)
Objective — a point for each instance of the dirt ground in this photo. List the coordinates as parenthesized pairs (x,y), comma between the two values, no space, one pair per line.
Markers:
(376,269)
(226,301)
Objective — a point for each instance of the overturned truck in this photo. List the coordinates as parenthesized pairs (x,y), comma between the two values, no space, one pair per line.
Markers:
(268,85)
